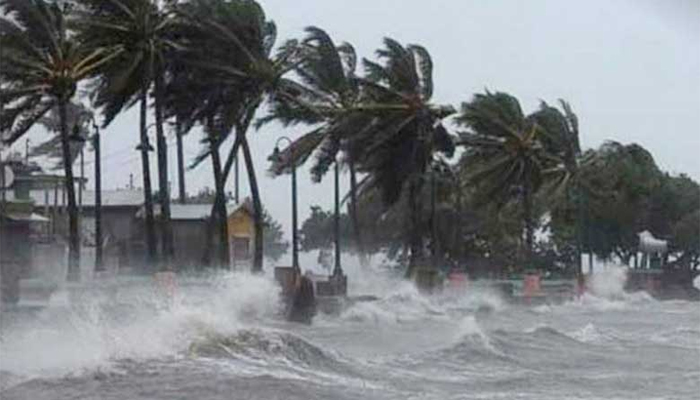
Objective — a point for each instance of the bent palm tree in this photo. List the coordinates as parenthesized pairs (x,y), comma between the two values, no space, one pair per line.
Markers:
(561,175)
(139,33)
(329,87)
(230,51)
(395,133)
(504,153)
(41,67)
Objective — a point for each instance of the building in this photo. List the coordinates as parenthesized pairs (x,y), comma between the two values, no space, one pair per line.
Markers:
(122,246)
(191,231)
(21,230)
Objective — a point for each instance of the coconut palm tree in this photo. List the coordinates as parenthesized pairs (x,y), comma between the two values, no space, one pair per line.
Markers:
(563,183)
(328,88)
(230,54)
(505,156)
(42,64)
(396,132)
(140,33)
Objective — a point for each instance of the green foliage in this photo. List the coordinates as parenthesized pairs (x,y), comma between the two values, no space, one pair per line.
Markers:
(275,246)
(317,231)
(137,35)
(42,63)
(505,154)
(617,182)
(326,91)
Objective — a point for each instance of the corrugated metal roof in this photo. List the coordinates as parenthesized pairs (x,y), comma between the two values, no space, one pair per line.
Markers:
(110,198)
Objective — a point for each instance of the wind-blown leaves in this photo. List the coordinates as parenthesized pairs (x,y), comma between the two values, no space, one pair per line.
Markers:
(41,63)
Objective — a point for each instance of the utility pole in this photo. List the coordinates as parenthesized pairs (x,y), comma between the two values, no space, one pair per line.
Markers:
(98,199)
(82,180)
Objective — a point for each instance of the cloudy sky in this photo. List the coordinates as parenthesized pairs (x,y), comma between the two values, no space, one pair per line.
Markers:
(630,68)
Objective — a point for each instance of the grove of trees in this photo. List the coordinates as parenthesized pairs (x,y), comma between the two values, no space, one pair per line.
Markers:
(429,182)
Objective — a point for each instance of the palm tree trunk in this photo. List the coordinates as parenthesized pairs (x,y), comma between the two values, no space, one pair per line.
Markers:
(163,187)
(148,195)
(527,220)
(230,159)
(354,215)
(257,206)
(214,209)
(415,235)
(180,163)
(220,204)
(73,237)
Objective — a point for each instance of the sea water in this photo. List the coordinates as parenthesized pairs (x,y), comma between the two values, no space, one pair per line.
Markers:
(223,337)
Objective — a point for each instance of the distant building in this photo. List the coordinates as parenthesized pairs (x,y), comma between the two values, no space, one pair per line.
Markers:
(191,225)
(122,246)
(21,230)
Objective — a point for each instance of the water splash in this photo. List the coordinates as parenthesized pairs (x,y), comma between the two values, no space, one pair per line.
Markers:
(90,328)
(609,283)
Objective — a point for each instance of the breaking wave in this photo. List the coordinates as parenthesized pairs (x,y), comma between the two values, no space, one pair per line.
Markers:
(95,328)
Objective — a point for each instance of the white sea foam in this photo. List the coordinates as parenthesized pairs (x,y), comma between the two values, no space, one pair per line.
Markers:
(131,322)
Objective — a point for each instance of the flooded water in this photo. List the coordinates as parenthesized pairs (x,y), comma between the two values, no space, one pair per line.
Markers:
(223,338)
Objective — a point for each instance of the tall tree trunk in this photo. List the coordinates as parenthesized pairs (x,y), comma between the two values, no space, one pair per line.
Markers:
(148,195)
(214,209)
(355,216)
(527,221)
(257,206)
(73,235)
(180,163)
(221,225)
(163,186)
(415,235)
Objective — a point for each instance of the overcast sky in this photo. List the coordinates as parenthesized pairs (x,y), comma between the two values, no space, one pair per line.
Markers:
(630,69)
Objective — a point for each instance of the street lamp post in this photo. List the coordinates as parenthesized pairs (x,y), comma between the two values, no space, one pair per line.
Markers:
(276,156)
(337,270)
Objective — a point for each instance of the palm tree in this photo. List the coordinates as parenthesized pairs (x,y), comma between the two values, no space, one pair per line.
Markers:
(562,178)
(395,133)
(140,35)
(42,64)
(504,154)
(230,52)
(329,87)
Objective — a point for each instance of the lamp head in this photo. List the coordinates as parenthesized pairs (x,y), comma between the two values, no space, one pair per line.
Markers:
(275,156)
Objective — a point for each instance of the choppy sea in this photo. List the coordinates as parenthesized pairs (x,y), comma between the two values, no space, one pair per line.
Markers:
(222,337)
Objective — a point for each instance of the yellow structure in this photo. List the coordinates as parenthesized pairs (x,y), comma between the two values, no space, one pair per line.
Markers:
(241,236)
